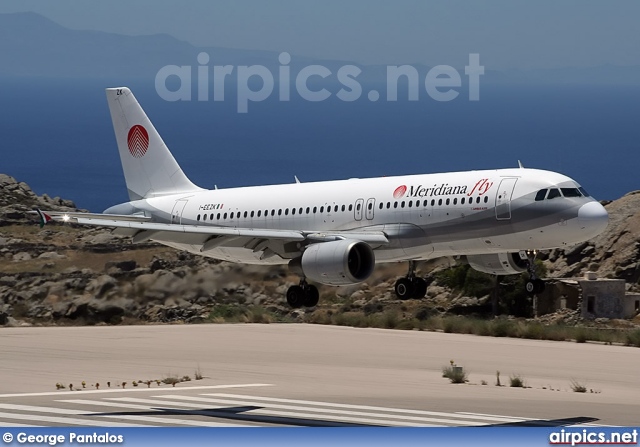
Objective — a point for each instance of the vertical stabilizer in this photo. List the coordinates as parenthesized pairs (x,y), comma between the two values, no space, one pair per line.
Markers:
(149,168)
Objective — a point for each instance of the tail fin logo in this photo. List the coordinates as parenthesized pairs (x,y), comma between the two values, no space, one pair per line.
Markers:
(138,141)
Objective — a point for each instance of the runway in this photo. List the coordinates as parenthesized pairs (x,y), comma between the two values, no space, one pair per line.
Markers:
(306,375)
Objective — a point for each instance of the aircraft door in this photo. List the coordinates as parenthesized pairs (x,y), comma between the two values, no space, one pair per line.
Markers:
(178,209)
(358,209)
(503,198)
(371,206)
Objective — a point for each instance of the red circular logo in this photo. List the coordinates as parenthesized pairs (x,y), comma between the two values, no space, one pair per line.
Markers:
(138,141)
(399,192)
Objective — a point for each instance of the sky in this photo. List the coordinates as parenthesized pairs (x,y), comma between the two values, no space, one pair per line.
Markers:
(508,34)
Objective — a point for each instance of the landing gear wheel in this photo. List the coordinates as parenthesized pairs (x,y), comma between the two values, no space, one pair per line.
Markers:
(530,288)
(404,288)
(312,296)
(534,286)
(296,296)
(419,288)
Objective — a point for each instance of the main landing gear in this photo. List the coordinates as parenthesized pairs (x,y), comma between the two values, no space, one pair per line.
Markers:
(534,285)
(411,286)
(303,295)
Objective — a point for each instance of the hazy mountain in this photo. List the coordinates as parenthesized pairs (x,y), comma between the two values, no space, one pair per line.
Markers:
(32,45)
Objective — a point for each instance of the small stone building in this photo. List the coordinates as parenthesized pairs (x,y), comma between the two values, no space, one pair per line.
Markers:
(594,297)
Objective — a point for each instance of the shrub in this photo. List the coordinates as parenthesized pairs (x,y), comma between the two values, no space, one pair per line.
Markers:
(533,331)
(516,381)
(633,338)
(455,374)
(577,387)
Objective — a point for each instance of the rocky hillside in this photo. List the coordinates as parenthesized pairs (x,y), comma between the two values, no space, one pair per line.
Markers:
(67,274)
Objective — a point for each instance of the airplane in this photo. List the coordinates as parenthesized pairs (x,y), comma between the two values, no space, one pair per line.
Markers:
(335,232)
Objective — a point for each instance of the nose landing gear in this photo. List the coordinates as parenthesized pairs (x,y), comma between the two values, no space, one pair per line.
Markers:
(534,285)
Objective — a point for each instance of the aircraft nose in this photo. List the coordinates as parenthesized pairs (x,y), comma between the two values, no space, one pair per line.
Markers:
(593,218)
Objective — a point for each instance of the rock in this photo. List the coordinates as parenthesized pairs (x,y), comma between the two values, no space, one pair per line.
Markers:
(124,266)
(102,284)
(22,256)
(51,255)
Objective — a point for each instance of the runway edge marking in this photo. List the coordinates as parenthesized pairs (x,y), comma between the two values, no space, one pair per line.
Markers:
(135,390)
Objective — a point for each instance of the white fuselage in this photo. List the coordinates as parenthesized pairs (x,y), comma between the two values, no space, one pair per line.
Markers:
(424,216)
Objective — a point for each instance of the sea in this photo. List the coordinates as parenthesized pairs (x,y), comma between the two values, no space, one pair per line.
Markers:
(56,135)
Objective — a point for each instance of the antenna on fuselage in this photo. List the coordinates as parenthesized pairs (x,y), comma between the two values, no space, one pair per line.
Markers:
(520,164)
(296,177)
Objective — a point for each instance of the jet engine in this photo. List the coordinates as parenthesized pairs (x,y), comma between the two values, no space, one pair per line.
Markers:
(498,263)
(336,263)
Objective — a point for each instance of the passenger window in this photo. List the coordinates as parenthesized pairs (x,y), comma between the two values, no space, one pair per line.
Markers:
(477,199)
(211,216)
(245,214)
(540,195)
(280,212)
(300,210)
(379,206)
(433,202)
(439,202)
(198,218)
(447,202)
(225,216)
(322,209)
(570,192)
(343,207)
(293,211)
(231,215)
(455,201)
(335,209)
(218,216)
(395,204)
(273,213)
(402,204)
(410,204)
(251,214)
(425,203)
(259,212)
(486,199)
(553,193)
(315,209)
(462,201)
(388,205)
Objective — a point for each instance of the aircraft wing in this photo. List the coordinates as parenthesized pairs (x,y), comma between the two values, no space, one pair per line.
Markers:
(143,230)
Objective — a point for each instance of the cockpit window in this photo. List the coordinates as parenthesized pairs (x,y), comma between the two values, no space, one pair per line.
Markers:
(553,193)
(540,195)
(571,192)
(584,192)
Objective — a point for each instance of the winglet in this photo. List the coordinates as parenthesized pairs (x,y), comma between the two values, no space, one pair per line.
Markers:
(44,218)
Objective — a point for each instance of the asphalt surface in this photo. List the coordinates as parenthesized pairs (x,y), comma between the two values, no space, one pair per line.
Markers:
(306,375)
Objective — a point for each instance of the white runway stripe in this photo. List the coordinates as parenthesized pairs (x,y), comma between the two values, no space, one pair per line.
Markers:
(137,390)
(98,420)
(290,417)
(379,418)
(158,408)
(63,420)
(473,416)
(14,424)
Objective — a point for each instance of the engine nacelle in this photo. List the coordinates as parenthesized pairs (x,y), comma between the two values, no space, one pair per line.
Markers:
(498,263)
(336,263)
